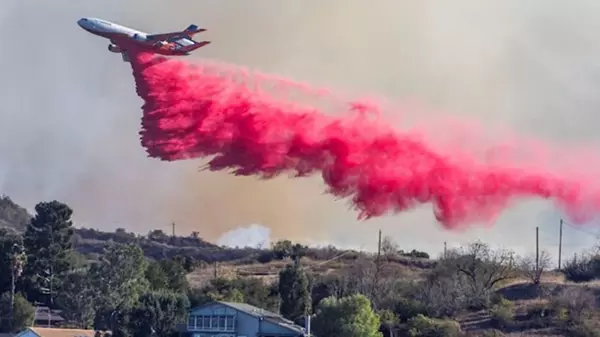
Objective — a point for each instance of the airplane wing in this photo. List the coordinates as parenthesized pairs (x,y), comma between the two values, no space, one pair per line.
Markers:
(188,32)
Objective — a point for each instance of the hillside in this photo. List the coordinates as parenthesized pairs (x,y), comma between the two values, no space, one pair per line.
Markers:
(157,245)
(408,281)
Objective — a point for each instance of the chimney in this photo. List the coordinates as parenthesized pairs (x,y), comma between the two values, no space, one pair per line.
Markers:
(307,325)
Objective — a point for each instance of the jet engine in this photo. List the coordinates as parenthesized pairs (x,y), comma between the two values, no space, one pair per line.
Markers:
(114,48)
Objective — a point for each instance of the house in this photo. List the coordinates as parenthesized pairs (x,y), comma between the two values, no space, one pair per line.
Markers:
(46,317)
(52,332)
(228,319)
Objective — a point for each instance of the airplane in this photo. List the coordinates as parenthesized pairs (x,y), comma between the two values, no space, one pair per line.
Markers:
(176,43)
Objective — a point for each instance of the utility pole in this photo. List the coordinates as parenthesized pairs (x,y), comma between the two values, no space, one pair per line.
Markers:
(560,243)
(379,248)
(173,232)
(445,249)
(537,248)
(375,283)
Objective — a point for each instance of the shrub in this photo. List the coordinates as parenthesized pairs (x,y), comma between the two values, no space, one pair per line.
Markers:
(422,326)
(502,314)
(406,309)
(492,333)
(584,269)
(583,329)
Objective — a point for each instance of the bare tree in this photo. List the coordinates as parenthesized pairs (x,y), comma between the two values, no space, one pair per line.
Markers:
(535,270)
(388,247)
(482,269)
(444,292)
(360,276)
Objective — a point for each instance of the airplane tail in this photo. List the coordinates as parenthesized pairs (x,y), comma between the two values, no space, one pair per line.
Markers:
(193,29)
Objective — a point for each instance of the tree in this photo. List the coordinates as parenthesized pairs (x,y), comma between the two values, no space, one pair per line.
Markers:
(350,316)
(283,249)
(388,247)
(443,292)
(389,319)
(76,299)
(48,245)
(482,269)
(158,312)
(294,292)
(19,317)
(188,262)
(120,278)
(535,270)
(156,276)
(12,261)
(176,275)
(167,274)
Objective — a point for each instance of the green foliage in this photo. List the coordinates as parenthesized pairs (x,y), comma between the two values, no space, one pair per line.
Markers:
(502,314)
(251,291)
(158,312)
(167,274)
(187,262)
(294,292)
(389,320)
(350,316)
(48,244)
(414,254)
(12,259)
(77,299)
(422,326)
(120,277)
(22,313)
(156,276)
(407,308)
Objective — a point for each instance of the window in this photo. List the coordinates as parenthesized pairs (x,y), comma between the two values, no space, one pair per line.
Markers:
(206,322)
(191,322)
(222,325)
(214,322)
(230,323)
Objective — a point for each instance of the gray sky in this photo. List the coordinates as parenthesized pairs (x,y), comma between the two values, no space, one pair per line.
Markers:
(71,115)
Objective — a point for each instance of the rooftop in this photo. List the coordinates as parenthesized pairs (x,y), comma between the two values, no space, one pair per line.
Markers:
(262,313)
(52,332)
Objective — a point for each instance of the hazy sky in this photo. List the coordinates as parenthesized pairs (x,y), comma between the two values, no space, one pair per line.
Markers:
(71,116)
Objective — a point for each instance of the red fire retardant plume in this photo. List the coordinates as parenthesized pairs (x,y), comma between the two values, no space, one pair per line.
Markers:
(194,112)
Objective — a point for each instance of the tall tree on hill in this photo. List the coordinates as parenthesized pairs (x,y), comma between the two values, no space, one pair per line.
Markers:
(294,292)
(48,245)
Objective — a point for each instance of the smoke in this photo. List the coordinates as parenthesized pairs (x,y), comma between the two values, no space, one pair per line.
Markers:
(72,115)
(250,236)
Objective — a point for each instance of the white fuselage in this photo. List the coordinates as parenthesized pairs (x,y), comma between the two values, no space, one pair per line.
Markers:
(109,30)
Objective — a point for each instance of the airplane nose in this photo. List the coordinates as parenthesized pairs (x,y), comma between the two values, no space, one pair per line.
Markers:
(82,22)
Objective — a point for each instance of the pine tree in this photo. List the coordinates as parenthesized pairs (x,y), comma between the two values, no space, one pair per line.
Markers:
(294,291)
(48,246)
